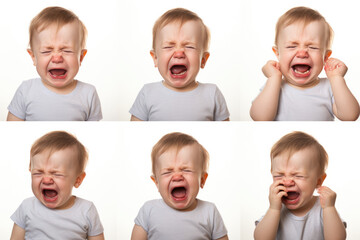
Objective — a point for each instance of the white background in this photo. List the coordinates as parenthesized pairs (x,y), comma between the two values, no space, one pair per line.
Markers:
(118,62)
(118,173)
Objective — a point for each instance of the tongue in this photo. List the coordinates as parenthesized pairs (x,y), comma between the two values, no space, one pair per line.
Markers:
(292,195)
(58,72)
(301,68)
(179,192)
(177,69)
(50,193)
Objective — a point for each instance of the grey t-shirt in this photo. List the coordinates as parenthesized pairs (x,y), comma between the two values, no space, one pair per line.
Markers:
(310,104)
(40,222)
(162,222)
(155,102)
(308,227)
(34,102)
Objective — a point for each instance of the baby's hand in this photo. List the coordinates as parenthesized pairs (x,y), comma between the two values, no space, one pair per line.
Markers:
(277,191)
(335,68)
(327,197)
(272,69)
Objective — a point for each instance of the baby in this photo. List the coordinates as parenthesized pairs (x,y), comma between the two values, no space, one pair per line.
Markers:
(298,164)
(180,45)
(293,90)
(57,164)
(179,166)
(57,48)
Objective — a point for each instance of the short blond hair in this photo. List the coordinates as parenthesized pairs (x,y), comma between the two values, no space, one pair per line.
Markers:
(178,140)
(59,140)
(296,141)
(59,16)
(180,15)
(306,16)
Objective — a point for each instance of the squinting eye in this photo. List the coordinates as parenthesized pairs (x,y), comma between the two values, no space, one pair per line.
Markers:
(68,51)
(186,170)
(165,173)
(190,47)
(314,48)
(45,52)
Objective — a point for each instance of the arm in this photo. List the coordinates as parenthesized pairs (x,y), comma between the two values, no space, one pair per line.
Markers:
(133,118)
(265,106)
(97,237)
(333,226)
(18,233)
(345,105)
(267,228)
(12,117)
(138,233)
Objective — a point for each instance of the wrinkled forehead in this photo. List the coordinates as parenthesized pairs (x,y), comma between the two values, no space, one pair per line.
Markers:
(180,155)
(317,29)
(55,158)
(304,159)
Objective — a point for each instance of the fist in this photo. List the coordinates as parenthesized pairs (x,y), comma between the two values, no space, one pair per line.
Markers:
(272,69)
(327,197)
(335,68)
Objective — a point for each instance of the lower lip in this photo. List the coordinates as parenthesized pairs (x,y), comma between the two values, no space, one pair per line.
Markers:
(290,202)
(301,75)
(180,76)
(58,76)
(50,200)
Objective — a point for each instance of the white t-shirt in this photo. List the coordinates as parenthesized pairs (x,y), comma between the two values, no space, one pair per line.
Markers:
(162,222)
(34,102)
(39,222)
(155,102)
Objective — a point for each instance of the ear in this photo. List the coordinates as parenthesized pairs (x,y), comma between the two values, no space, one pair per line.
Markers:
(203,179)
(82,55)
(32,56)
(154,180)
(321,180)
(204,59)
(79,179)
(327,55)
(153,55)
(276,51)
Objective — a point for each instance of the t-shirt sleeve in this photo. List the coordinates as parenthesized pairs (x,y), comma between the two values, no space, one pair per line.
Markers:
(95,226)
(219,229)
(141,218)
(139,108)
(19,216)
(17,106)
(95,108)
(221,110)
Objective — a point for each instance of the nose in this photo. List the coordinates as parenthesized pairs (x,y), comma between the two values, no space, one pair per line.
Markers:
(179,53)
(288,182)
(177,176)
(57,58)
(302,53)
(47,180)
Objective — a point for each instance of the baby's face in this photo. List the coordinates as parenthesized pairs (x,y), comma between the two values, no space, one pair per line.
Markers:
(301,52)
(54,176)
(57,55)
(179,54)
(178,177)
(300,175)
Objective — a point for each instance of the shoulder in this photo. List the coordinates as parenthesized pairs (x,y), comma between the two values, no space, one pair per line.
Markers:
(31,83)
(208,86)
(152,86)
(85,86)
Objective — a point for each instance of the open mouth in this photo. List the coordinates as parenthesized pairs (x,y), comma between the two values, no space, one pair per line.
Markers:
(178,70)
(301,69)
(58,73)
(291,198)
(178,193)
(49,194)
